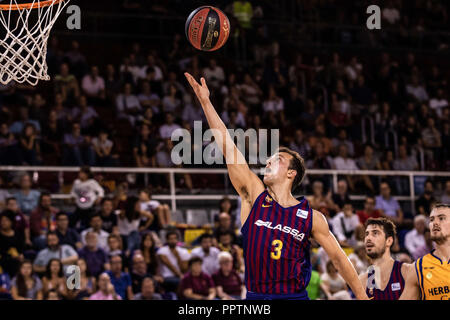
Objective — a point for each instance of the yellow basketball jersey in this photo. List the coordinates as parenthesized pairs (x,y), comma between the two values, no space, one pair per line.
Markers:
(434,277)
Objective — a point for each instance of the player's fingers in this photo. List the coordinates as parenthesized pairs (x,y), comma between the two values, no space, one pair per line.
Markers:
(202,80)
(190,79)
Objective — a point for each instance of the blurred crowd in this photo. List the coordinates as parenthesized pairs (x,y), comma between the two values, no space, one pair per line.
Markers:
(338,110)
(126,245)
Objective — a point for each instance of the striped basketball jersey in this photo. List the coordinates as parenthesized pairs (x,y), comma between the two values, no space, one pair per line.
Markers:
(394,287)
(433,276)
(276,246)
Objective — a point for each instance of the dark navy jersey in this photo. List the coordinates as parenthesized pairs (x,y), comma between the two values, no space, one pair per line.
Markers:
(276,246)
(394,287)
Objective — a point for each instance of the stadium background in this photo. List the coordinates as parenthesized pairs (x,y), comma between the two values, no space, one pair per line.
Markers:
(309,68)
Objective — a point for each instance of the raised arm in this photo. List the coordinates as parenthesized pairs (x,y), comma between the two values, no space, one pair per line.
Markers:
(246,183)
(322,234)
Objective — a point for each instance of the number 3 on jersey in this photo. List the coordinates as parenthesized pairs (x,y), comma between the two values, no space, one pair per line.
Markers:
(277,245)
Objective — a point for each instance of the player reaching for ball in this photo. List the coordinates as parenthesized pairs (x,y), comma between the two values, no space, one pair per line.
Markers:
(276,227)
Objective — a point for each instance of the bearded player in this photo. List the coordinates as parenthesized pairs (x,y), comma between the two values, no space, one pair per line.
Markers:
(384,279)
(276,227)
(429,277)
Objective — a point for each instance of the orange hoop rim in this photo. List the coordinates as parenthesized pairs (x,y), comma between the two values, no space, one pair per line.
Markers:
(29,6)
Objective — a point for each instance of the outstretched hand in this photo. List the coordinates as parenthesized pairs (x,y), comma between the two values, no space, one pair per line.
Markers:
(201,91)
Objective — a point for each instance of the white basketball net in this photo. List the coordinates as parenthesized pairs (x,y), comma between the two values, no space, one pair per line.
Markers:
(26,30)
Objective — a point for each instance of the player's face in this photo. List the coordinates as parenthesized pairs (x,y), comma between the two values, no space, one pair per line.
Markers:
(375,241)
(277,167)
(440,225)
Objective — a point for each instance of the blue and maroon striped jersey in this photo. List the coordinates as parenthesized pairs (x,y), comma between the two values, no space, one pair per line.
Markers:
(394,287)
(276,246)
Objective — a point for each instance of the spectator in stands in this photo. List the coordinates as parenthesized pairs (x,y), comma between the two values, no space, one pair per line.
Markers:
(42,220)
(197,285)
(160,212)
(77,148)
(87,194)
(103,147)
(391,14)
(426,200)
(95,257)
(300,145)
(54,279)
(341,197)
(11,244)
(415,239)
(148,250)
(445,198)
(174,261)
(405,162)
(109,217)
(4,193)
(343,162)
(65,253)
(115,246)
(26,285)
(67,85)
(138,272)
(320,159)
(369,162)
(387,161)
(168,127)
(229,285)
(76,59)
(208,254)
(112,83)
(431,138)
(149,99)
(410,131)
(342,138)
(388,205)
(52,135)
(171,102)
(369,210)
(5,286)
(106,290)
(320,201)
(52,294)
(121,280)
(67,235)
(128,223)
(26,197)
(334,283)
(18,126)
(147,290)
(30,146)
(416,90)
(214,74)
(85,115)
(345,225)
(96,227)
(359,257)
(127,104)
(87,283)
(21,225)
(144,147)
(226,243)
(224,224)
(93,85)
(9,147)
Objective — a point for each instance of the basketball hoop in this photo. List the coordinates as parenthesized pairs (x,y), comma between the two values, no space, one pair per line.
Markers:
(25,29)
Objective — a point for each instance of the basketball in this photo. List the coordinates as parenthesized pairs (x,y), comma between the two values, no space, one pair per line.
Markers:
(207,28)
